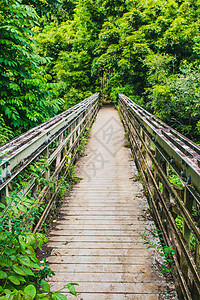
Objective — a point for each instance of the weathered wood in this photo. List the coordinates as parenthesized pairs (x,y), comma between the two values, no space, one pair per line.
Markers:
(114,296)
(101,268)
(96,245)
(123,287)
(102,227)
(106,277)
(134,252)
(97,240)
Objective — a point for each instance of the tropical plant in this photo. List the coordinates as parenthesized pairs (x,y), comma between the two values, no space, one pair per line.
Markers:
(22,275)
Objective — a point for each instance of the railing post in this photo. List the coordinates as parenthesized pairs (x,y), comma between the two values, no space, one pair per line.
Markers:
(78,134)
(71,128)
(34,190)
(47,172)
(59,141)
(46,155)
(64,150)
(186,231)
(142,134)
(156,174)
(166,194)
(197,255)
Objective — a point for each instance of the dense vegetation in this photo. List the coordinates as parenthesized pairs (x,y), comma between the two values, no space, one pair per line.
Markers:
(55,53)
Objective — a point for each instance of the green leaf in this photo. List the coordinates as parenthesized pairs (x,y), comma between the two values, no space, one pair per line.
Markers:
(30,290)
(32,168)
(21,208)
(5,261)
(30,239)
(19,270)
(22,243)
(71,288)
(20,278)
(27,271)
(9,251)
(14,280)
(3,275)
(33,265)
(25,260)
(32,255)
(45,286)
(59,296)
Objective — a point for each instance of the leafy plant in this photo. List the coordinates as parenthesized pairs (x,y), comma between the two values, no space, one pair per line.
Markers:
(165,251)
(22,275)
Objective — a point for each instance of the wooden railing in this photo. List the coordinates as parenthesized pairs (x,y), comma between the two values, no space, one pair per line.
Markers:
(56,141)
(169,164)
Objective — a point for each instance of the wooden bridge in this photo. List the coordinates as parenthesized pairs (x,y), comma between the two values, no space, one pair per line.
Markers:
(98,239)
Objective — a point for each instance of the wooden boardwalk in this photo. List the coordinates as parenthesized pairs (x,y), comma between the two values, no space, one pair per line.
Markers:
(97,240)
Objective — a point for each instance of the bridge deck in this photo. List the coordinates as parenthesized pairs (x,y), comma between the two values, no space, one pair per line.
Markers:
(96,241)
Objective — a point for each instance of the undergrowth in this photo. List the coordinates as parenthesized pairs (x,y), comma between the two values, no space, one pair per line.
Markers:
(22,275)
(156,241)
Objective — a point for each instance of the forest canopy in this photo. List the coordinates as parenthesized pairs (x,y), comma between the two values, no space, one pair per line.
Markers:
(55,53)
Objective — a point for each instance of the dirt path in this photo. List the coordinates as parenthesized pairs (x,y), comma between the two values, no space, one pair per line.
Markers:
(97,240)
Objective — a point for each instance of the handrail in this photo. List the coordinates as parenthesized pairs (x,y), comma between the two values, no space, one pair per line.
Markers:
(57,139)
(161,152)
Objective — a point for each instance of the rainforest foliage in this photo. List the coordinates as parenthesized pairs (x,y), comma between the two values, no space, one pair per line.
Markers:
(55,53)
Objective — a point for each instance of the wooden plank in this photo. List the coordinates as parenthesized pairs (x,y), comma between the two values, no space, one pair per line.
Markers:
(101,268)
(97,204)
(90,238)
(101,227)
(124,287)
(106,277)
(113,296)
(103,212)
(97,245)
(114,218)
(90,232)
(102,209)
(87,259)
(98,221)
(103,252)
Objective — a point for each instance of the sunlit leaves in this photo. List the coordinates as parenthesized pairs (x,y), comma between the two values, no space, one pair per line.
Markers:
(30,290)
